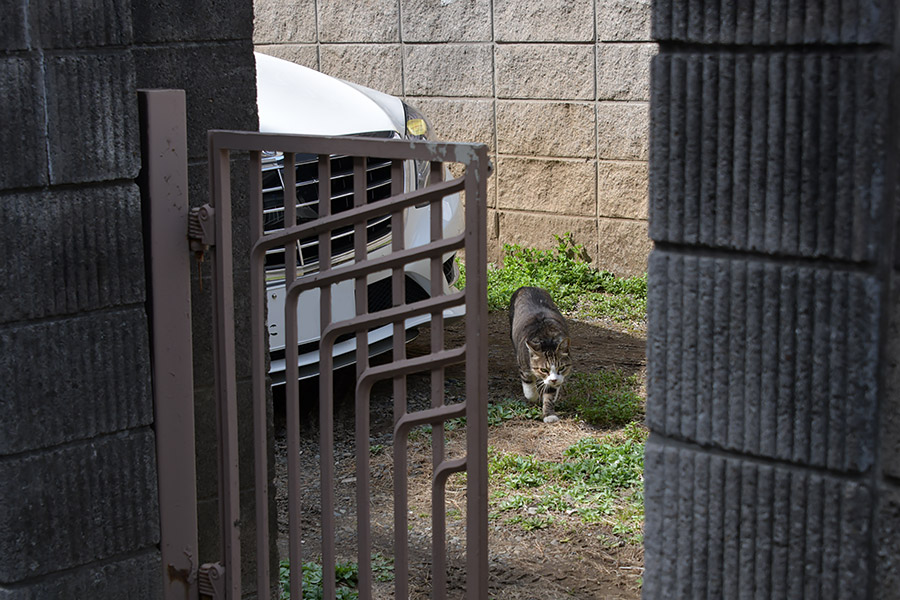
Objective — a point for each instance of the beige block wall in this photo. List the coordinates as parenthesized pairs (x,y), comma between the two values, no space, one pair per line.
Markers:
(558,89)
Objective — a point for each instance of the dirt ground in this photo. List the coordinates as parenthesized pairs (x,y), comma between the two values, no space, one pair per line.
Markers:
(567,560)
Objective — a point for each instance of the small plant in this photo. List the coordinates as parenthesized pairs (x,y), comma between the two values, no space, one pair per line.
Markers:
(346,575)
(604,398)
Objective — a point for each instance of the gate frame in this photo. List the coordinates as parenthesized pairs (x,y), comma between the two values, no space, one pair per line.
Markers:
(474,352)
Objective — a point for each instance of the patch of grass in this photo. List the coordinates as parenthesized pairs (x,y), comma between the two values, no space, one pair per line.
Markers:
(567,274)
(604,398)
(598,480)
(346,576)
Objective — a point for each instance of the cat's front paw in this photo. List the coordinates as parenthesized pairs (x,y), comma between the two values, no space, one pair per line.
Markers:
(551,419)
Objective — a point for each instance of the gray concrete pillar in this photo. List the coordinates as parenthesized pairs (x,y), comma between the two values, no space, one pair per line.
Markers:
(773,467)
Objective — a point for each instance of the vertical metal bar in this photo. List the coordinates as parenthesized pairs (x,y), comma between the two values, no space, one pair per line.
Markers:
(326,390)
(164,187)
(363,530)
(400,452)
(258,334)
(291,395)
(438,510)
(223,351)
(476,377)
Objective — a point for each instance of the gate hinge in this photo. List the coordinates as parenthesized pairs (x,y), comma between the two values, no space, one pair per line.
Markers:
(202,228)
(212,581)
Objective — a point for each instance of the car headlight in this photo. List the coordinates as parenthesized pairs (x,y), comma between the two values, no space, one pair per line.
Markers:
(418,129)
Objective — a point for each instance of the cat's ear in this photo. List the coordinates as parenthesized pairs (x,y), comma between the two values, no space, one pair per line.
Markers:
(535,348)
(563,346)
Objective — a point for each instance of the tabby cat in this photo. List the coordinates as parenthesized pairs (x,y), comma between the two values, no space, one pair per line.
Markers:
(540,337)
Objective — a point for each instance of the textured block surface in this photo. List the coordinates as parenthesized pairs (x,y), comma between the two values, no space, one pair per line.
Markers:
(302,54)
(70,251)
(622,246)
(192,21)
(722,527)
(222,98)
(76,504)
(543,20)
(623,20)
(372,21)
(790,158)
(523,128)
(84,24)
(545,71)
(623,71)
(622,130)
(764,359)
(377,66)
(774,21)
(136,578)
(92,112)
(551,186)
(537,230)
(73,379)
(14,27)
(282,22)
(622,189)
(429,21)
(22,107)
(431,70)
(460,120)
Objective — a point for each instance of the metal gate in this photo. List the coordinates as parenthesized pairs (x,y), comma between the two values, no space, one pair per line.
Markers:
(213,226)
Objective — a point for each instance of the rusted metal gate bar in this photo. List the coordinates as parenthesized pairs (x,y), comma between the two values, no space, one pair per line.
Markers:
(473,353)
(163,183)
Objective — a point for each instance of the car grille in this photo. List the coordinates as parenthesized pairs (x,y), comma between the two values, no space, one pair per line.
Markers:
(378,187)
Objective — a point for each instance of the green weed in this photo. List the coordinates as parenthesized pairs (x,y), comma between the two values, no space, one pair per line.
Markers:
(346,576)
(604,398)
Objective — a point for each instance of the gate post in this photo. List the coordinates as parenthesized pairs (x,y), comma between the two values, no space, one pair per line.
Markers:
(163,183)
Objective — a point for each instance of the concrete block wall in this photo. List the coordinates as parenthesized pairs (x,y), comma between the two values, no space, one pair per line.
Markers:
(78,499)
(772,466)
(79,515)
(559,90)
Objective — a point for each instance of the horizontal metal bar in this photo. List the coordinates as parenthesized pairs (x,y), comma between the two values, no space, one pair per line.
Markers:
(353,215)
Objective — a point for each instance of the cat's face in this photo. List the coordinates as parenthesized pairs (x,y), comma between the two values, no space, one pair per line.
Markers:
(551,367)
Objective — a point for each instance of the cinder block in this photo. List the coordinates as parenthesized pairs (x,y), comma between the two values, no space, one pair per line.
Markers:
(542,21)
(709,529)
(551,129)
(14,29)
(84,24)
(374,21)
(208,106)
(624,20)
(378,66)
(887,544)
(427,21)
(23,136)
(77,504)
(623,246)
(137,577)
(89,238)
(622,130)
(284,21)
(890,400)
(537,230)
(460,120)
(774,22)
(764,359)
(302,54)
(545,71)
(200,20)
(432,70)
(623,71)
(622,189)
(92,113)
(73,379)
(548,186)
(790,160)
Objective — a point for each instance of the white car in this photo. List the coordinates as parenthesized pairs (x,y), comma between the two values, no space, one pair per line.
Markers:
(295,99)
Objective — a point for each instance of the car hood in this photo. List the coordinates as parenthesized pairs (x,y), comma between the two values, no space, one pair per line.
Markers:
(294,99)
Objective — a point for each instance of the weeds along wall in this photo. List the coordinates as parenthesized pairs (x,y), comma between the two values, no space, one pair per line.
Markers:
(558,89)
